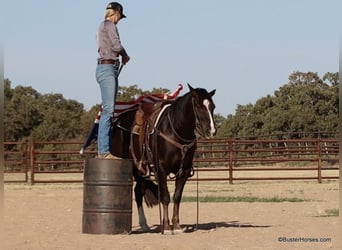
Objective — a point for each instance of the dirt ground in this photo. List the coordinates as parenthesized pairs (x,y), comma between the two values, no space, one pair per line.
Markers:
(50,217)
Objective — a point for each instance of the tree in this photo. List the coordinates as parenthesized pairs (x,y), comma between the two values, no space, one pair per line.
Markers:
(128,93)
(44,117)
(21,112)
(305,104)
(132,92)
(61,118)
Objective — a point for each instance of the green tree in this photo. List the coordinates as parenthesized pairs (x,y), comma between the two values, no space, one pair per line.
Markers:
(61,118)
(21,112)
(128,93)
(305,104)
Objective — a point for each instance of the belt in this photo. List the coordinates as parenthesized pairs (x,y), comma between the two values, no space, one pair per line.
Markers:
(109,61)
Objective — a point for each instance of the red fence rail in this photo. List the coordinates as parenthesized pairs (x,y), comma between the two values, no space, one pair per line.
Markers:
(265,156)
(221,159)
(15,155)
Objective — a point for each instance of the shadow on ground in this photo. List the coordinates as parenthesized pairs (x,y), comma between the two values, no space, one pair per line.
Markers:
(211,226)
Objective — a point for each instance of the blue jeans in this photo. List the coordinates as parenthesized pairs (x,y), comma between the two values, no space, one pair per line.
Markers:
(107,77)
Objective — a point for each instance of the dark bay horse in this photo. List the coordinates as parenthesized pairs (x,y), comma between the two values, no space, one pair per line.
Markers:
(172,144)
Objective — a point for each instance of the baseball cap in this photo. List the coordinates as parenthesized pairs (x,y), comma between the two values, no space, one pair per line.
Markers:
(116,6)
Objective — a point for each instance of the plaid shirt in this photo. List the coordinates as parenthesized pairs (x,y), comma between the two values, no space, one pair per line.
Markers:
(108,41)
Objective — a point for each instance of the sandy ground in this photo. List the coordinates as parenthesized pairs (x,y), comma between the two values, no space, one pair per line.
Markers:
(50,217)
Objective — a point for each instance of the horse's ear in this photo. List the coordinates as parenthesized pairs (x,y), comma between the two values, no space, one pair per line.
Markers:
(190,87)
(212,93)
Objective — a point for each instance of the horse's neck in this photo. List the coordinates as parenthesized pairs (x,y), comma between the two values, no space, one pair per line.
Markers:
(182,116)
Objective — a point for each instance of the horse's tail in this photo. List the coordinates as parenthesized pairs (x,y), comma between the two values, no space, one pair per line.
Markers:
(151,193)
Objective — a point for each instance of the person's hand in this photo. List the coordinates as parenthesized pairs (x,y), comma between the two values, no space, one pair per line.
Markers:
(125,59)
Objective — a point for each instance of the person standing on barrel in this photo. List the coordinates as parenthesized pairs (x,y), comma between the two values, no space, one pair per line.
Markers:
(107,71)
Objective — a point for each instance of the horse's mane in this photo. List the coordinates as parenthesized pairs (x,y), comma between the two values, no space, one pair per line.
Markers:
(178,108)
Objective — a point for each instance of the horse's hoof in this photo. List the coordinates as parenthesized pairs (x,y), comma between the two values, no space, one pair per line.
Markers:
(167,232)
(179,231)
(144,229)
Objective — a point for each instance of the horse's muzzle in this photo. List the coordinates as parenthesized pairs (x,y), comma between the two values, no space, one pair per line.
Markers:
(208,133)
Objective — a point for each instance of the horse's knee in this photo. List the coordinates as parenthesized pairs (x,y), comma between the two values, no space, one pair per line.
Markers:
(165,200)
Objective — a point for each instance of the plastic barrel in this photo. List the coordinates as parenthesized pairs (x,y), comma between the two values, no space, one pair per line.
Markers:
(107,196)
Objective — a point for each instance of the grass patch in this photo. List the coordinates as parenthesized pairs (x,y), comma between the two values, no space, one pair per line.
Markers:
(275,199)
(43,186)
(330,213)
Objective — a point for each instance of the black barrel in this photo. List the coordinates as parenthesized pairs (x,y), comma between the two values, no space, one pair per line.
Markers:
(107,196)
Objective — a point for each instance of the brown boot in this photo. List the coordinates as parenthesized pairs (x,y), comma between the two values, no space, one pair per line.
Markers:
(108,156)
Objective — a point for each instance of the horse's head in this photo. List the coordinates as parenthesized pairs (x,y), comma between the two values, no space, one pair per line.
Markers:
(203,106)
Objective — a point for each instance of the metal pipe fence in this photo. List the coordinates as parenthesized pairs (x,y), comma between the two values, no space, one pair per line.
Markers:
(221,159)
(305,159)
(15,155)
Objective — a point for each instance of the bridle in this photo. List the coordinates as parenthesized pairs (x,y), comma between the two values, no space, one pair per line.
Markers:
(197,123)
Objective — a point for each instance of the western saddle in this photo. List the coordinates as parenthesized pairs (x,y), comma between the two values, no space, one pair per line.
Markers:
(146,118)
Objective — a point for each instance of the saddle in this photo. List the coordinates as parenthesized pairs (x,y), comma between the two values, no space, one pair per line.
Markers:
(146,118)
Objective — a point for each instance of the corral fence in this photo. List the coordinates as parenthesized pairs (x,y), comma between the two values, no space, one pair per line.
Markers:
(221,159)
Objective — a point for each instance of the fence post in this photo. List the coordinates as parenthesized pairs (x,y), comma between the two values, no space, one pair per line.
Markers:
(319,155)
(230,153)
(32,161)
(26,158)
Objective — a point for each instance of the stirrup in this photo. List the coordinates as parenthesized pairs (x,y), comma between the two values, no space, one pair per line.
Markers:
(150,177)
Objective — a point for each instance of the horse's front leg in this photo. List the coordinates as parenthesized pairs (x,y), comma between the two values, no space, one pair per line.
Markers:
(180,183)
(165,200)
(167,229)
(139,194)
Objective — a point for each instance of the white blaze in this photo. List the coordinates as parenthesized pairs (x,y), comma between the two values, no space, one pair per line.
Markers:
(212,126)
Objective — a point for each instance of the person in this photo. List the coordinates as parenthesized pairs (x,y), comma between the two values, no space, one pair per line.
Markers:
(107,70)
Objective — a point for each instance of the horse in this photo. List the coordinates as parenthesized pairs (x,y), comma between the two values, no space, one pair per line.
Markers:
(172,144)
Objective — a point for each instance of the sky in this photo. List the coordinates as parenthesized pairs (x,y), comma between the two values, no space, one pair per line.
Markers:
(244,49)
